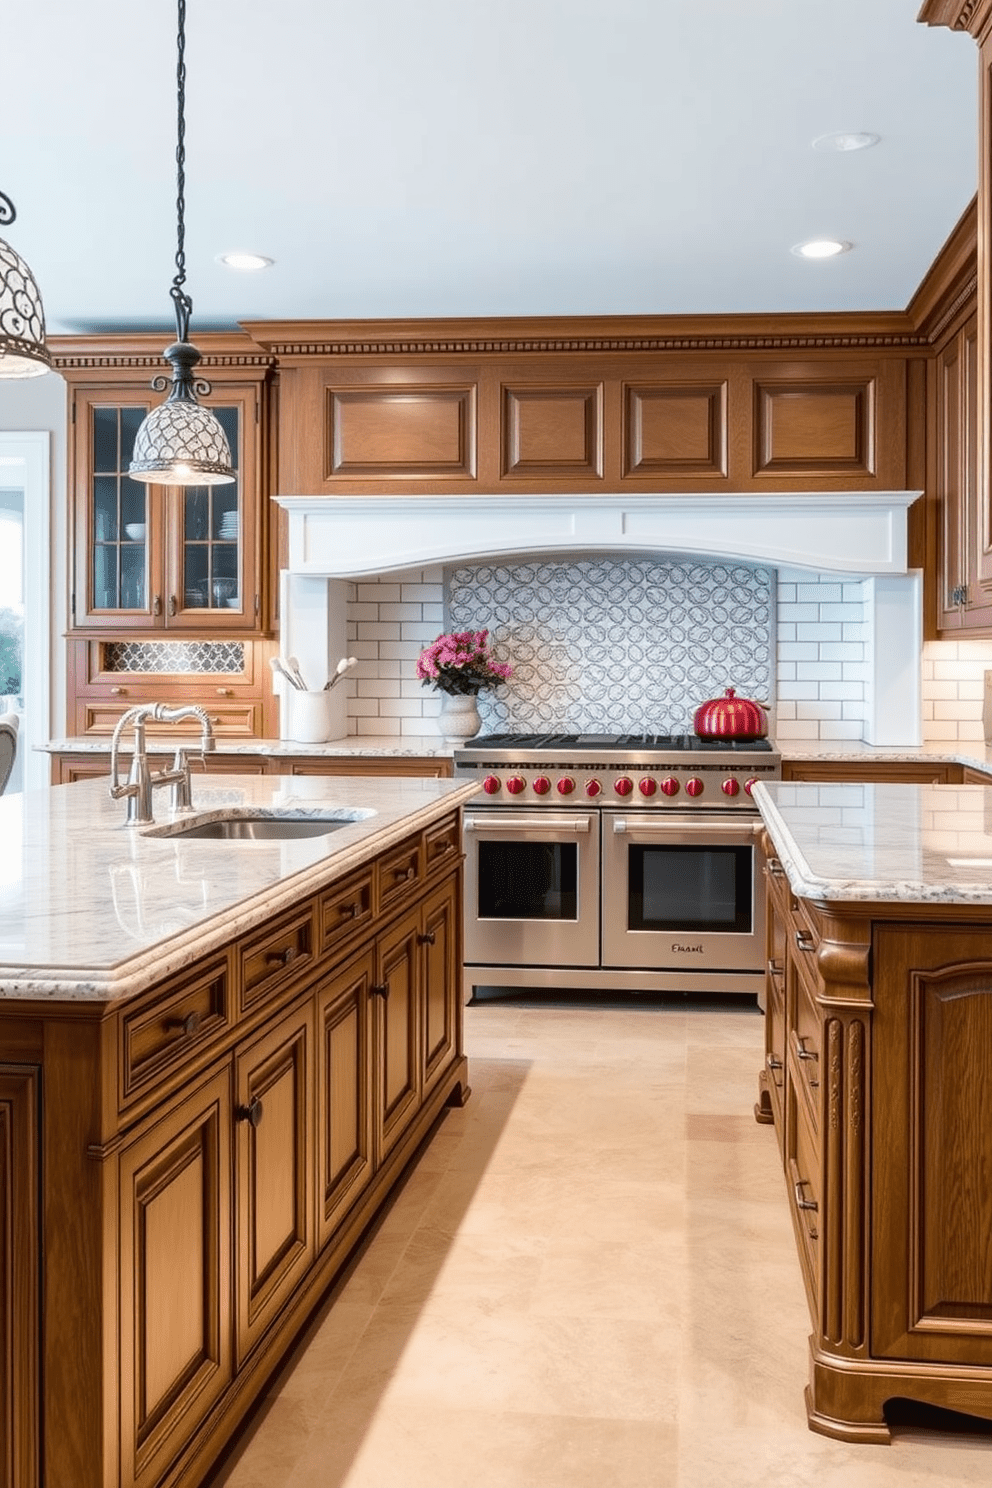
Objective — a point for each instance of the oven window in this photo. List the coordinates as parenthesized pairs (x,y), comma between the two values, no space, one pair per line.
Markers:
(528,880)
(690,888)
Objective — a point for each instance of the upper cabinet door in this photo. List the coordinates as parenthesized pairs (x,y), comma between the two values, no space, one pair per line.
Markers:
(160,557)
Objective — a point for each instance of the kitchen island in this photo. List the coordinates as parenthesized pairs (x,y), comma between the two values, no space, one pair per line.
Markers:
(216,1059)
(878,1080)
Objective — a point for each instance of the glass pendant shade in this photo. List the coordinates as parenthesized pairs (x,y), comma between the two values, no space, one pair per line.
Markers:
(23,352)
(181,443)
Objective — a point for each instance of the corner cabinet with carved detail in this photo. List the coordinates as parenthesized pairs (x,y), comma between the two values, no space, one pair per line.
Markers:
(878,1078)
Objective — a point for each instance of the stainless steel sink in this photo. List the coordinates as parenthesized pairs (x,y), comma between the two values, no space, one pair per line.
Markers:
(263,829)
(244,826)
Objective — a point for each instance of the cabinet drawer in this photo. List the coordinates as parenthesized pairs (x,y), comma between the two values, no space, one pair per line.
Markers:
(344,911)
(803,1169)
(804,1046)
(442,845)
(398,872)
(163,1034)
(271,960)
(234,720)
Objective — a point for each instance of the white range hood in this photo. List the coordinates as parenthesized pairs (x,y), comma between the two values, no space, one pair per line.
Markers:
(858,534)
(827,532)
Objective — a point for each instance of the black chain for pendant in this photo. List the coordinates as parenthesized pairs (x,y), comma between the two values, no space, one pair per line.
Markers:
(7,209)
(181,300)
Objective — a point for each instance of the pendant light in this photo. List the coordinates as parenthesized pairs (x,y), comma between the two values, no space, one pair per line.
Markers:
(180,443)
(23,352)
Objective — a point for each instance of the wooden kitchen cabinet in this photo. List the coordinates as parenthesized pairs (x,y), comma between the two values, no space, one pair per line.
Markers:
(964,600)
(882,1120)
(905,772)
(214,1150)
(20,1275)
(153,558)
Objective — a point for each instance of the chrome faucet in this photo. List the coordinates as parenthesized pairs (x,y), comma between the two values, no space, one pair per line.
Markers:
(142,780)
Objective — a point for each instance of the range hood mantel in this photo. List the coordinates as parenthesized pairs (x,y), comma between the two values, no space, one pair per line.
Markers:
(852,532)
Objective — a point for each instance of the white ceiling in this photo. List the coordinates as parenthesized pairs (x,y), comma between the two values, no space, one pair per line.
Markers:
(481,157)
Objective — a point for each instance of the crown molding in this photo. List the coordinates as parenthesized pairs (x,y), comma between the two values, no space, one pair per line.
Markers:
(959,15)
(144,352)
(303,340)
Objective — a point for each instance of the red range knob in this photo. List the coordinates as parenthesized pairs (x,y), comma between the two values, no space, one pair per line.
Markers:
(647,786)
(623,786)
(565,786)
(491,785)
(730,787)
(750,784)
(516,784)
(694,787)
(670,785)
(593,788)
(542,785)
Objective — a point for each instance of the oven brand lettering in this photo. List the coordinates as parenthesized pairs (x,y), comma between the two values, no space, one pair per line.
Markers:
(677,946)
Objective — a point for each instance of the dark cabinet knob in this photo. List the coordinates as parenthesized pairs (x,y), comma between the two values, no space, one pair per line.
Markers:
(189,1026)
(283,957)
(252,1112)
(429,938)
(381,989)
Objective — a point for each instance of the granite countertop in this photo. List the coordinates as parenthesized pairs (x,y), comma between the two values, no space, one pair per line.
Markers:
(927,844)
(960,752)
(378,746)
(93,909)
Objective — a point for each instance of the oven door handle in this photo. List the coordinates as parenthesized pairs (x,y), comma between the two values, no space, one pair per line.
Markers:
(510,823)
(690,826)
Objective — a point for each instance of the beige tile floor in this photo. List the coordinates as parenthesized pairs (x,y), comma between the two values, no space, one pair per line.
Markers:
(589,1279)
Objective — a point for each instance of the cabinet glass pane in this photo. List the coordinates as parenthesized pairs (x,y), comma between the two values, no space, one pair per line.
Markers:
(212,533)
(119,513)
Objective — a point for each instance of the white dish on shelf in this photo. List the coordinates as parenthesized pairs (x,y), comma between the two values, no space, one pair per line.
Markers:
(135,531)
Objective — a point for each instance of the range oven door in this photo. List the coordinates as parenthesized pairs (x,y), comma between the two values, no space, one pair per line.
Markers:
(531,888)
(682,891)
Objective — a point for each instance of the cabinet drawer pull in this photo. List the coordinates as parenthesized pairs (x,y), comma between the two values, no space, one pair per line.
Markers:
(173,606)
(119,691)
(428,938)
(801,1049)
(802,1203)
(381,989)
(157,605)
(403,875)
(349,911)
(189,1026)
(775,967)
(281,958)
(252,1112)
(773,1063)
(804,941)
(225,692)
(775,868)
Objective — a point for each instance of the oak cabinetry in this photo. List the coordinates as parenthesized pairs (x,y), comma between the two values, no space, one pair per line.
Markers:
(962,601)
(152,558)
(20,1280)
(882,1118)
(906,772)
(69,766)
(214,1149)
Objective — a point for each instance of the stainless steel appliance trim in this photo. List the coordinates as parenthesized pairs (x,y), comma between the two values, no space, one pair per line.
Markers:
(596,979)
(490,822)
(697,828)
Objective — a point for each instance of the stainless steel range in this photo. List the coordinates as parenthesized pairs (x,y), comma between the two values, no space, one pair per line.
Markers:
(614,863)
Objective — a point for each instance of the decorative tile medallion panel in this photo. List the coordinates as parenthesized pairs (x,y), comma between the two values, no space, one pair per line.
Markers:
(192,657)
(609,645)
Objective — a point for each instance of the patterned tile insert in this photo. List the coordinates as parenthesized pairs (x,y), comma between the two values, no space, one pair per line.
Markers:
(187,657)
(617,645)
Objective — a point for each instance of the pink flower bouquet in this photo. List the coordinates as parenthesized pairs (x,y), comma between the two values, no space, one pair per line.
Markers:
(461,663)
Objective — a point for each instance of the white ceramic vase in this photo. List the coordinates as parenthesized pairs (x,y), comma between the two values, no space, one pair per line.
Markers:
(459,716)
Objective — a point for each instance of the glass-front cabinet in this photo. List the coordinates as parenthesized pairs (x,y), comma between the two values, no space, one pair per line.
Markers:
(157,557)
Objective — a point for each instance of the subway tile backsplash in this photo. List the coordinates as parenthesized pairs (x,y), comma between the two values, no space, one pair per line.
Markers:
(822,664)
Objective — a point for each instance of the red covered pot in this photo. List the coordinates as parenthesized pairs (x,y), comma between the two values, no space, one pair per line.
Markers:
(730,717)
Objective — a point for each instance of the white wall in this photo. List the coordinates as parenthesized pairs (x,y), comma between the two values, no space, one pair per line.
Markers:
(26,405)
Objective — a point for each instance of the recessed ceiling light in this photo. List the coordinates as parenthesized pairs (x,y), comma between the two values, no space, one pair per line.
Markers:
(246,262)
(822,248)
(846,140)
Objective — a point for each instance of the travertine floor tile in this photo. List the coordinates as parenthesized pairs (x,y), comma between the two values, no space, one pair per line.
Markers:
(589,1280)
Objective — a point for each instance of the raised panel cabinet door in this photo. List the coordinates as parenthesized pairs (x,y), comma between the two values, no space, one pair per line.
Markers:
(344,1091)
(275,1207)
(932,1145)
(175,1279)
(395,995)
(440,1004)
(20,1260)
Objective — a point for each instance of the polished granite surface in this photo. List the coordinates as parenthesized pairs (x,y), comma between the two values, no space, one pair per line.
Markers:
(898,843)
(362,746)
(91,908)
(588,1280)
